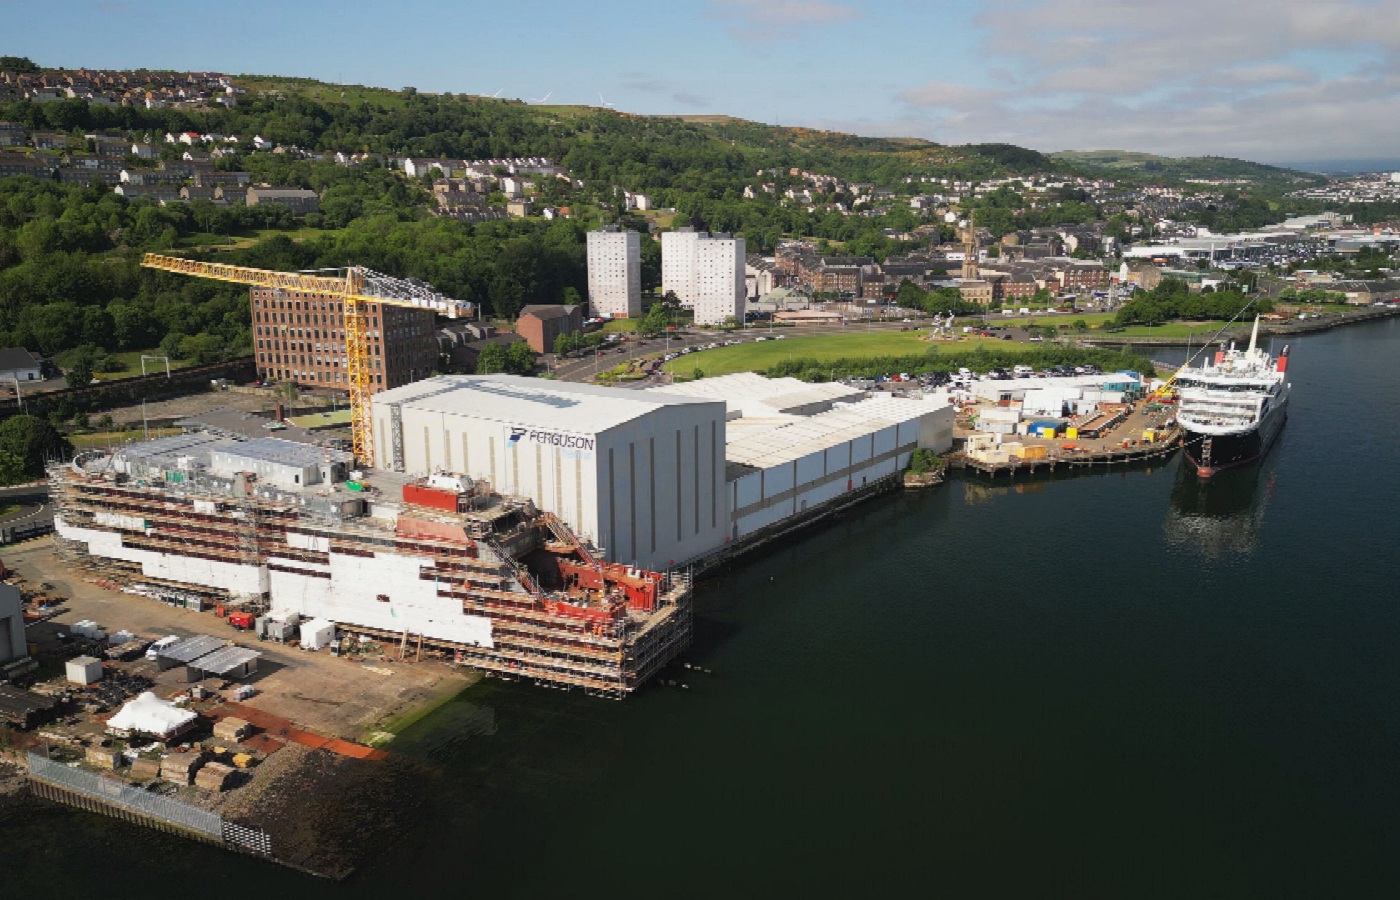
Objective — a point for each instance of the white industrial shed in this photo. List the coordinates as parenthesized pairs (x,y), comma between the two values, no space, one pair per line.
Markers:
(750,394)
(782,465)
(640,473)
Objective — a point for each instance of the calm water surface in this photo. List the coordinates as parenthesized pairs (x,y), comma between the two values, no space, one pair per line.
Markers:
(1120,685)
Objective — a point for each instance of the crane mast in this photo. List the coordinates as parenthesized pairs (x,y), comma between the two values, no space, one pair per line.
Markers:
(358,288)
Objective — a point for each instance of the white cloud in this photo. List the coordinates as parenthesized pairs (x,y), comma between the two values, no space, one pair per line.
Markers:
(1264,79)
(947,95)
(778,19)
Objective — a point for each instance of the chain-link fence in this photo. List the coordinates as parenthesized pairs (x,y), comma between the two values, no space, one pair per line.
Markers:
(124,796)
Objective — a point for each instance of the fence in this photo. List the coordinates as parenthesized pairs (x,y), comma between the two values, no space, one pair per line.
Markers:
(123,391)
(88,790)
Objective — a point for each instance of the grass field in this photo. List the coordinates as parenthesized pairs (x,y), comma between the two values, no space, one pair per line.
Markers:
(1170,329)
(241,242)
(1093,320)
(757,357)
(332,419)
(132,359)
(102,439)
(620,326)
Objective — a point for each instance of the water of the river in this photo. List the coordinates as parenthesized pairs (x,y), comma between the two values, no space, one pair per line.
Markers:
(1120,685)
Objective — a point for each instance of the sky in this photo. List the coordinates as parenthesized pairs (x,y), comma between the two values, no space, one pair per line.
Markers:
(1266,80)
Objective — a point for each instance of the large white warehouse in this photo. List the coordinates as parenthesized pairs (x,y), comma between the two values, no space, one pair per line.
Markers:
(792,446)
(639,473)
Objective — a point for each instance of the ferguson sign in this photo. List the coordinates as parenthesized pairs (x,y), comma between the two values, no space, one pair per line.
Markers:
(516,434)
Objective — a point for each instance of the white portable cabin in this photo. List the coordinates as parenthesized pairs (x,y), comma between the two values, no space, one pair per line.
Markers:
(317,633)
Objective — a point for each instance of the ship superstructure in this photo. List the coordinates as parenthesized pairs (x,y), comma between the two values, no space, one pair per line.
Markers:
(440,562)
(1232,407)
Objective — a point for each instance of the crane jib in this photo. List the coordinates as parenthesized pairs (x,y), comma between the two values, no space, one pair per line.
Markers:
(359,287)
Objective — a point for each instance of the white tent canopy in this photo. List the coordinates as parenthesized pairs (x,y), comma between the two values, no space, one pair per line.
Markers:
(148,714)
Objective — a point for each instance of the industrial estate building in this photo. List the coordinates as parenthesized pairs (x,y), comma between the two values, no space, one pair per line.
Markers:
(300,337)
(614,273)
(638,473)
(791,447)
(660,476)
(706,273)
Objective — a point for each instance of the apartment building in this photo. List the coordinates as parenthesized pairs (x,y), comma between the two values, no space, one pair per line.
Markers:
(614,273)
(706,272)
(300,337)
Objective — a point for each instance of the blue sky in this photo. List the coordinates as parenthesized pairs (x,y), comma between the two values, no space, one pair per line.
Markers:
(1271,80)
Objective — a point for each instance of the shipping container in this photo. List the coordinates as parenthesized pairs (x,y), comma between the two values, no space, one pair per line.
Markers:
(433,498)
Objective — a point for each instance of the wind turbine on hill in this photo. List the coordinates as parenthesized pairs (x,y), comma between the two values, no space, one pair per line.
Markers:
(543,99)
(603,103)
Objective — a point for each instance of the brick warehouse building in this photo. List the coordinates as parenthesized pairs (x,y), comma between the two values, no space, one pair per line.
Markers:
(540,324)
(300,337)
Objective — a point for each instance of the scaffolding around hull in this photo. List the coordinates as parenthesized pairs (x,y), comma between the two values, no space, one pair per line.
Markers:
(510,591)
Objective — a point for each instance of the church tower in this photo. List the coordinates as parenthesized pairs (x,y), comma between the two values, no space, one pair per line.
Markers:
(969,242)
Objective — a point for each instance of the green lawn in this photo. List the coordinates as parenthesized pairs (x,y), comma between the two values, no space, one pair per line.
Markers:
(757,357)
(202,241)
(241,242)
(133,365)
(621,326)
(332,419)
(132,358)
(102,439)
(1168,330)
(1093,320)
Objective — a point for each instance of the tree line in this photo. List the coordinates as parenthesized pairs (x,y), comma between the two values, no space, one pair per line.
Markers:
(1172,299)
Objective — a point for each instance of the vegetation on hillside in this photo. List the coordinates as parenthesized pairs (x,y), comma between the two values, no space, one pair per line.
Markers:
(1166,168)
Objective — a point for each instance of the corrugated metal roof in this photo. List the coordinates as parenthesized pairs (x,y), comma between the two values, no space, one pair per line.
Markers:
(771,441)
(163,452)
(754,394)
(192,648)
(534,402)
(225,660)
(286,453)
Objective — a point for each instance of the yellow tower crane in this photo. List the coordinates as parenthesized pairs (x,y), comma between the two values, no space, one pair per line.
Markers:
(357,288)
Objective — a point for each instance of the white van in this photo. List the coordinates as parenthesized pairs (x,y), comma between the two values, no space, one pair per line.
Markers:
(154,650)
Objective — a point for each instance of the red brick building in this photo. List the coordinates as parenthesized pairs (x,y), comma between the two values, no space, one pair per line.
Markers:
(540,324)
(300,337)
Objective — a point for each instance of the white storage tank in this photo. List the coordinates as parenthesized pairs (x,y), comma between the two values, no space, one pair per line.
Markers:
(84,670)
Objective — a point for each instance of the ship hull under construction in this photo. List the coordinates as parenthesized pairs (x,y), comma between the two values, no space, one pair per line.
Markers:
(495,585)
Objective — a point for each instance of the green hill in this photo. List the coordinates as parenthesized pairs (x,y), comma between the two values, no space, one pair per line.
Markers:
(1186,168)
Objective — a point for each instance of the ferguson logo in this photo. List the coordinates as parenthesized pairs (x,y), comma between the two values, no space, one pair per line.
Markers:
(552,438)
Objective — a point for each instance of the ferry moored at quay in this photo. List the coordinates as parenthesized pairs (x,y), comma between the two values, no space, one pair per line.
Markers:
(1232,408)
